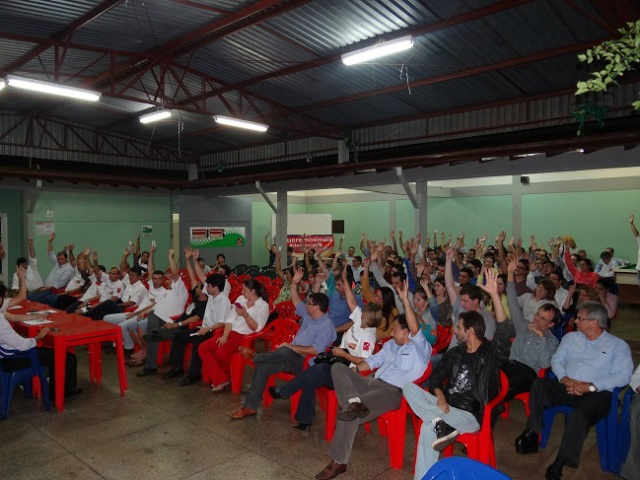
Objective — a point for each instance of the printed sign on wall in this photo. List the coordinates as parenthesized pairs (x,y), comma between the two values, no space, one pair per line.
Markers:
(217,237)
(317,242)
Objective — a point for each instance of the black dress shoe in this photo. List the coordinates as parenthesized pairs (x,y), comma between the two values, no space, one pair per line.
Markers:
(355,410)
(554,471)
(147,371)
(173,373)
(527,442)
(73,391)
(275,393)
(303,427)
(153,336)
(189,379)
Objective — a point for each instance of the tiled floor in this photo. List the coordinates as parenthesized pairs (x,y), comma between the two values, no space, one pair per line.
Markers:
(163,431)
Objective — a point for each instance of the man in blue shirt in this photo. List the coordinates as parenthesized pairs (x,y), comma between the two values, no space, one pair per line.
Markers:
(402,360)
(316,334)
(589,364)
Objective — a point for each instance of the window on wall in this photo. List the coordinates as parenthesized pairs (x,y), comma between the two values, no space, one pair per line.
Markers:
(337,226)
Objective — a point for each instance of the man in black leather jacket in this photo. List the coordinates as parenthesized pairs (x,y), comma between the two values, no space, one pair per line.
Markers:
(466,379)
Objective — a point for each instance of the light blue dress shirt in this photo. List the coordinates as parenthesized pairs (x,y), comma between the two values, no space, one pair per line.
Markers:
(401,364)
(606,361)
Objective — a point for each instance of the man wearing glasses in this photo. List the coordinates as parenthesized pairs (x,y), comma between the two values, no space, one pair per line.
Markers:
(589,364)
(316,334)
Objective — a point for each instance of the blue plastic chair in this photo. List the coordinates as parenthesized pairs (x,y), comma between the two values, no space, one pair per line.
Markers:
(623,435)
(9,380)
(463,468)
(606,429)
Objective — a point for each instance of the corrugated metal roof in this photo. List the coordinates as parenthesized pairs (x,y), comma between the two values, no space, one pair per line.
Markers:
(301,35)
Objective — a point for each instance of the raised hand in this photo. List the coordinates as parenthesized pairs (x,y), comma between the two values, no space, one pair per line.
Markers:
(297,275)
(366,263)
(450,254)
(188,253)
(491,281)
(512,264)
(52,237)
(631,218)
(195,253)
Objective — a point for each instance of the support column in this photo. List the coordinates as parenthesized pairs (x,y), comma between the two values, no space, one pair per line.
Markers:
(516,207)
(392,218)
(281,226)
(421,211)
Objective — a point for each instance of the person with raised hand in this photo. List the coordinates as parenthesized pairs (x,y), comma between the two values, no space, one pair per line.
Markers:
(401,361)
(463,382)
(316,334)
(357,345)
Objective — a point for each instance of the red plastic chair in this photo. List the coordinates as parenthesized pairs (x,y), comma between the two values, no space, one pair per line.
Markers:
(277,282)
(242,278)
(393,424)
(523,397)
(266,281)
(443,339)
(286,310)
(274,334)
(480,444)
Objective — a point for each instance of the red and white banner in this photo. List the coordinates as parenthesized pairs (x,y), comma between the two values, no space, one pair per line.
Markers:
(317,242)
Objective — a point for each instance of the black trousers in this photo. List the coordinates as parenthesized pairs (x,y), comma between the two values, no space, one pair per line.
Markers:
(47,360)
(588,409)
(520,376)
(105,308)
(179,345)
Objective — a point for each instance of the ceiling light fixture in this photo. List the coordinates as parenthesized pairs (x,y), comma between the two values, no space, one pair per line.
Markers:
(52,88)
(155,116)
(378,50)
(236,122)
(2,83)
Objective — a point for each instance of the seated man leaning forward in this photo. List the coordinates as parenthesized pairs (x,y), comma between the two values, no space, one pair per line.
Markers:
(401,361)
(589,363)
(471,371)
(357,345)
(316,334)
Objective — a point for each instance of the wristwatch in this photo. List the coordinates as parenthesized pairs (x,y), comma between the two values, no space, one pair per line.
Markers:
(592,388)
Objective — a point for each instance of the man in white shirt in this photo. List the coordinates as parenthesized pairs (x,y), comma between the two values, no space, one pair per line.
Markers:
(34,280)
(171,305)
(110,289)
(215,314)
(60,275)
(133,295)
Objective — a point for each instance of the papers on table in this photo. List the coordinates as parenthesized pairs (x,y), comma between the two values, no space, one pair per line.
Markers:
(37,321)
(14,307)
(38,312)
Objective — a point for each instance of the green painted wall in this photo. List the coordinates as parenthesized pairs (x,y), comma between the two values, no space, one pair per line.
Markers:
(595,219)
(105,222)
(13,239)
(371,218)
(261,225)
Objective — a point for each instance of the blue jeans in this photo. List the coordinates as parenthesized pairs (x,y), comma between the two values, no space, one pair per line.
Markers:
(308,381)
(46,296)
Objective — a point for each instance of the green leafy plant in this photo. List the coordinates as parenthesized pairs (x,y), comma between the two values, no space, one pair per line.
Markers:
(619,57)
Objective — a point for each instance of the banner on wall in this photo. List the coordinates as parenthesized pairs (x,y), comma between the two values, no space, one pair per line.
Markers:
(217,237)
(317,242)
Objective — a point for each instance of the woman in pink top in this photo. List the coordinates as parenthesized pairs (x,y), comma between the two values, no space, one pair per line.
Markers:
(584,274)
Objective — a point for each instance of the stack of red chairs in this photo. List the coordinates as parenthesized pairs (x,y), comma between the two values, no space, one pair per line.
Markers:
(443,339)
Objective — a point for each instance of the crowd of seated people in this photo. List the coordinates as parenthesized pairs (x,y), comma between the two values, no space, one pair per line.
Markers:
(400,311)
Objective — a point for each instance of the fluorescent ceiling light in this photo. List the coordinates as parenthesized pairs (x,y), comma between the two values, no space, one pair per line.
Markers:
(52,88)
(378,50)
(155,116)
(2,84)
(236,122)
